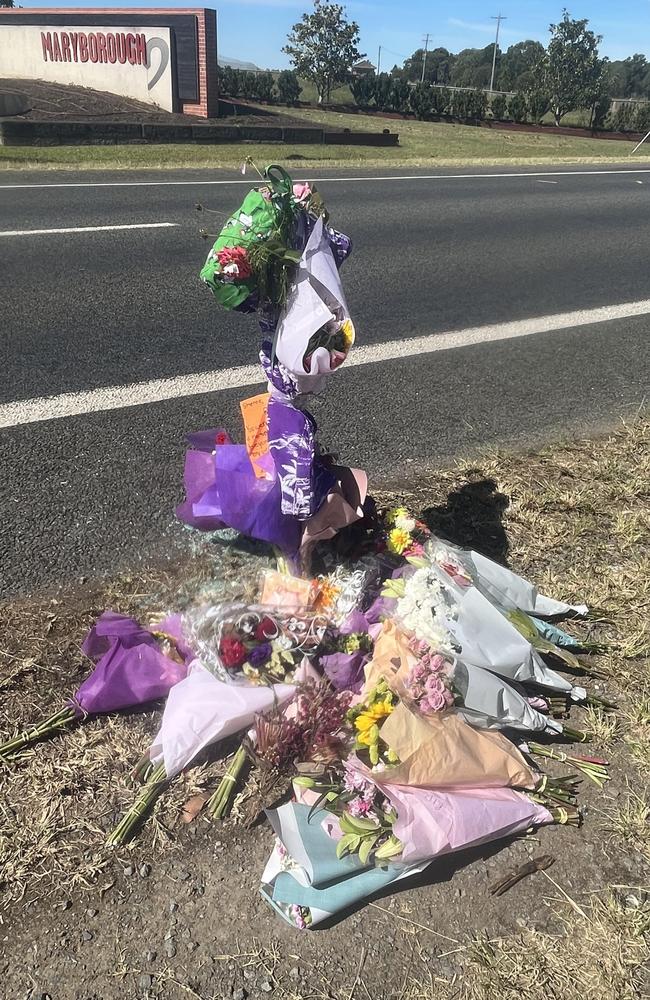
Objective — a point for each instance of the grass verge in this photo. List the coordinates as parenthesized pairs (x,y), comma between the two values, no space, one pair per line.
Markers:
(575,518)
(422,144)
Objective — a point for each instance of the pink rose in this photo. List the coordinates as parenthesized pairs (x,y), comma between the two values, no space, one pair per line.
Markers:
(435,700)
(301,191)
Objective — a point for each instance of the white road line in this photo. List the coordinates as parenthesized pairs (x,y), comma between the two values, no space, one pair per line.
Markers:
(333,180)
(141,393)
(86,229)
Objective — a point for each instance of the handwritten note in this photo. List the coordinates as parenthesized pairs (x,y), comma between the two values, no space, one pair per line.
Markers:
(254,412)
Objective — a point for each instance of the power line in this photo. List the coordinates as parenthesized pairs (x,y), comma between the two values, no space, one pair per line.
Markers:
(498,18)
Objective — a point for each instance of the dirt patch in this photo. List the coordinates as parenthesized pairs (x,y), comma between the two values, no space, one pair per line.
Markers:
(178,914)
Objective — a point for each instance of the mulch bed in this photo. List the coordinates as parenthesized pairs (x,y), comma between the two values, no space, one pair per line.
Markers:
(55,101)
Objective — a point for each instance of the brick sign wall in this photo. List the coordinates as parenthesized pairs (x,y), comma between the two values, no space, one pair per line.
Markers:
(162,56)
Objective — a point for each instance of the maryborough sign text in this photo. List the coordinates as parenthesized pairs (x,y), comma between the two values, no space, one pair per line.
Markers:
(94,47)
(159,55)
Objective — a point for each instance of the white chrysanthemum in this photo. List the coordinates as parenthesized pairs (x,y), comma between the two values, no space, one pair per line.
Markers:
(424,609)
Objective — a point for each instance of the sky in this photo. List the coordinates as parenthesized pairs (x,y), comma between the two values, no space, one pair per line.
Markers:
(255,30)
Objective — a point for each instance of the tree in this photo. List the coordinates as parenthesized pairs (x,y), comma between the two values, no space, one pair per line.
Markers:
(7,3)
(324,46)
(518,65)
(633,76)
(438,66)
(571,70)
(288,86)
(473,67)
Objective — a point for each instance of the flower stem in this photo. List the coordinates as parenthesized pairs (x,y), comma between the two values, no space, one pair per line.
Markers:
(592,768)
(566,815)
(55,724)
(575,735)
(150,792)
(220,802)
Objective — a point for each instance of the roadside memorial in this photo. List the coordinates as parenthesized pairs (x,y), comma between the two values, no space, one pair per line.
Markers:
(394,694)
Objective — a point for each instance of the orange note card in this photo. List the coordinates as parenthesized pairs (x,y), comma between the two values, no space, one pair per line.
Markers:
(254,411)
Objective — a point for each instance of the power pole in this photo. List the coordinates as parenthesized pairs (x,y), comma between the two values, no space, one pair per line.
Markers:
(498,18)
(378,60)
(424,58)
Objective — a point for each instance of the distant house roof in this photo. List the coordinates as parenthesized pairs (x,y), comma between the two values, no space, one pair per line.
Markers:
(365,66)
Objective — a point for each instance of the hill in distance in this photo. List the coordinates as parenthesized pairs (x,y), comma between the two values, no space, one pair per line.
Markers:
(237,63)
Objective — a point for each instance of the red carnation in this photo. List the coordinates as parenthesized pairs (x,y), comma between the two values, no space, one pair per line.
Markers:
(232,652)
(267,629)
(235,265)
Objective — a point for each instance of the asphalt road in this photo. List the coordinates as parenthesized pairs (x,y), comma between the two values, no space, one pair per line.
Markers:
(87,310)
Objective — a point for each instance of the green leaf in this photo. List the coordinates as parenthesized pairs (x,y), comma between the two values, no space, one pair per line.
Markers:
(367,845)
(348,845)
(359,824)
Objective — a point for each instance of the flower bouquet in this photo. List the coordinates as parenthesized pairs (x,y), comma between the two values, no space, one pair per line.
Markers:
(252,255)
(253,644)
(133,666)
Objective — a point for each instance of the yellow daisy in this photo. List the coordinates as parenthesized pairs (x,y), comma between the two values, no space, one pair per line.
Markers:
(398,541)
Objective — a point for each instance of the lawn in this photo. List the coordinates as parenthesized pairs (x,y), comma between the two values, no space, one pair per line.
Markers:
(422,144)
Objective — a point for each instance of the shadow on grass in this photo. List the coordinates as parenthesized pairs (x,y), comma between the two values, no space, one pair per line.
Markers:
(472,516)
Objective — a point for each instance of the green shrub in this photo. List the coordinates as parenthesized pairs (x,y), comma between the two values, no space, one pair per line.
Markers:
(421,100)
(538,103)
(600,110)
(229,81)
(440,100)
(264,86)
(477,104)
(460,103)
(363,89)
(383,85)
(288,86)
(623,119)
(499,107)
(642,118)
(518,108)
(398,97)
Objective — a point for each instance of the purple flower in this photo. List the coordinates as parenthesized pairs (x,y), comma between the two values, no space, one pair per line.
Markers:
(260,655)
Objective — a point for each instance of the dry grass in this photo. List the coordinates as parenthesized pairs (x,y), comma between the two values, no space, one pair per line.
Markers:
(574,517)
(600,956)
(60,798)
(630,823)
